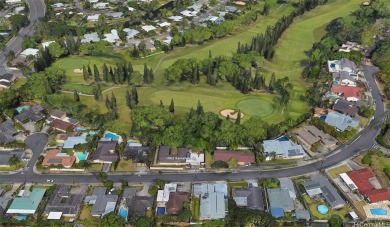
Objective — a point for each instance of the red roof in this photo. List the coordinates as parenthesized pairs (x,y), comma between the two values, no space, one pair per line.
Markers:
(60,125)
(223,155)
(361,179)
(348,91)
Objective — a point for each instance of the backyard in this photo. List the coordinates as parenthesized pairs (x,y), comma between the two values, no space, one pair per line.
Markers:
(312,204)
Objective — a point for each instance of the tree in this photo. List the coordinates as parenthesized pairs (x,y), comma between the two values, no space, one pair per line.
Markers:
(56,50)
(112,219)
(96,73)
(238,119)
(13,161)
(161,104)
(102,176)
(76,96)
(172,107)
(109,184)
(134,93)
(18,21)
(85,73)
(232,163)
(272,83)
(272,154)
(199,108)
(219,164)
(335,221)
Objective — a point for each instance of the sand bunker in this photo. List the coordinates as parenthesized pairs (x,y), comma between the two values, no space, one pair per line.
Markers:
(231,113)
(78,71)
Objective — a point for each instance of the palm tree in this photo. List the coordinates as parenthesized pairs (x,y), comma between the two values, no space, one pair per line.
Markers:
(272,155)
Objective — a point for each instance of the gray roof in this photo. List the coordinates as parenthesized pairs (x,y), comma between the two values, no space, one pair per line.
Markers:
(288,184)
(283,148)
(64,201)
(320,185)
(312,134)
(31,114)
(7,131)
(338,76)
(138,154)
(212,206)
(302,214)
(139,204)
(103,204)
(202,188)
(165,156)
(6,155)
(105,151)
(129,192)
(347,63)
(5,83)
(99,191)
(280,198)
(341,121)
(360,103)
(251,198)
(345,107)
(7,76)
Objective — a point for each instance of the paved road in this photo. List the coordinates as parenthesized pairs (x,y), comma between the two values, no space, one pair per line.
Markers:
(37,10)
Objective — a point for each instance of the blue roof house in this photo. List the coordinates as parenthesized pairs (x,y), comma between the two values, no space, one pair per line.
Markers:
(27,205)
(73,141)
(341,121)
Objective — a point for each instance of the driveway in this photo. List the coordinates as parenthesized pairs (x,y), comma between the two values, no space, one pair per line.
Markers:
(37,143)
(30,126)
(144,191)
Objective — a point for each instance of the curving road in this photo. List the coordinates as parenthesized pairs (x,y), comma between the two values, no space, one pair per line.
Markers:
(364,140)
(36,10)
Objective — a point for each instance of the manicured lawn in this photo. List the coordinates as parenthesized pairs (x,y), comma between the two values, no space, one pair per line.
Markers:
(86,213)
(19,82)
(83,88)
(126,165)
(95,167)
(255,107)
(14,167)
(209,159)
(334,173)
(313,209)
(383,161)
(71,63)
(195,208)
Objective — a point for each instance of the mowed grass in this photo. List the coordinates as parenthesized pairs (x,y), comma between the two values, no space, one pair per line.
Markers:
(71,63)
(255,107)
(335,172)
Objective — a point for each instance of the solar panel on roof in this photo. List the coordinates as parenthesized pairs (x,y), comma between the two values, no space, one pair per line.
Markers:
(54,160)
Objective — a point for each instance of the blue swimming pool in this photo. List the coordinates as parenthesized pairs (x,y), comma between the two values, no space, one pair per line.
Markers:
(378,211)
(323,118)
(81,129)
(21,108)
(82,156)
(160,211)
(123,213)
(283,138)
(323,209)
(21,218)
(112,136)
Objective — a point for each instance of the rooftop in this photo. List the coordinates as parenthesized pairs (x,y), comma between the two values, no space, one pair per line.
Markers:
(176,202)
(280,198)
(341,121)
(139,204)
(64,201)
(7,154)
(241,156)
(27,205)
(345,107)
(212,206)
(138,154)
(250,197)
(348,91)
(70,142)
(312,134)
(55,157)
(283,148)
(105,152)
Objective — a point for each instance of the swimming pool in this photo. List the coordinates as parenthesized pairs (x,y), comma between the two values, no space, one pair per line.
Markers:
(81,129)
(21,108)
(21,218)
(283,138)
(323,118)
(82,156)
(123,212)
(112,136)
(160,211)
(323,209)
(378,211)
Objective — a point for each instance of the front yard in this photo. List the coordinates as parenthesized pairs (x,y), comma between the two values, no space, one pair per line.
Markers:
(334,173)
(126,166)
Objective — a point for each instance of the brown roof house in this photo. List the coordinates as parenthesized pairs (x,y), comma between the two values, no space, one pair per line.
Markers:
(105,152)
(60,125)
(179,156)
(57,114)
(176,202)
(243,157)
(55,157)
(308,135)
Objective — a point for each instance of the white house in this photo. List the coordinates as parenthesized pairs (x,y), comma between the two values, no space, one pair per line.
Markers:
(29,51)
(93,17)
(13,1)
(101,5)
(148,28)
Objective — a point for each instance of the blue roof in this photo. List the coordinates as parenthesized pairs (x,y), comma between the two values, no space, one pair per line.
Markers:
(341,121)
(277,212)
(72,141)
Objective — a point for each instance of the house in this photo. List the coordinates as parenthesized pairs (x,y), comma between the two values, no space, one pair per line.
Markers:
(54,157)
(163,195)
(347,92)
(283,149)
(6,155)
(345,107)
(137,154)
(8,77)
(149,45)
(302,215)
(32,114)
(212,200)
(176,202)
(29,52)
(280,201)
(61,138)
(368,186)
(57,114)
(176,18)
(321,186)
(242,157)
(343,78)
(105,152)
(163,24)
(148,28)
(65,202)
(342,65)
(249,197)
(72,141)
(13,1)
(91,37)
(7,132)
(59,5)
(350,46)
(60,125)
(178,156)
(102,203)
(286,183)
(101,5)
(231,9)
(114,15)
(310,134)
(93,17)
(341,121)
(139,204)
(131,33)
(112,37)
(27,205)
(4,85)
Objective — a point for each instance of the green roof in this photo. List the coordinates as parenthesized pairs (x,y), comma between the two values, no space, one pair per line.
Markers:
(29,203)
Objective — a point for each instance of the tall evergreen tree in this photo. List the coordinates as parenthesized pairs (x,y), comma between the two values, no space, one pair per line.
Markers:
(146,74)
(113,102)
(105,73)
(108,103)
(238,119)
(89,71)
(199,108)
(85,73)
(96,73)
(76,96)
(272,82)
(161,104)
(134,93)
(172,107)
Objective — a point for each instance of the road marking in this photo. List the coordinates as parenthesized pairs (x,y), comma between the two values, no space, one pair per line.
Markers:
(356,139)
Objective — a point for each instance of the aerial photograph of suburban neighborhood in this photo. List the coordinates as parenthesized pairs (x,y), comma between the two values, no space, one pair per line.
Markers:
(216,113)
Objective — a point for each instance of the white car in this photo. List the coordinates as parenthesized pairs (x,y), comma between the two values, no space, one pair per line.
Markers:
(49,180)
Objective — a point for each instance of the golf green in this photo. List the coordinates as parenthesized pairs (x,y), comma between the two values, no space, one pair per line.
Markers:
(257,107)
